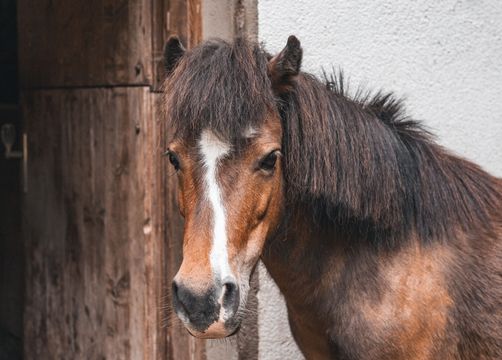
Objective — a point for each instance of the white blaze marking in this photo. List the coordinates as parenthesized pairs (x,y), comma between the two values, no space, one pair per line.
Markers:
(213,150)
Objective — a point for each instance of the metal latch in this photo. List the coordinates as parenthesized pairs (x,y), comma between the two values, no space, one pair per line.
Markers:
(8,134)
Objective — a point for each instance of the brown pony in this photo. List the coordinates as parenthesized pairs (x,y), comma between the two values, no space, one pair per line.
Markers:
(384,244)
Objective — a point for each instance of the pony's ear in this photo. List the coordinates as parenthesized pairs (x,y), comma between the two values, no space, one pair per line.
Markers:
(285,66)
(173,51)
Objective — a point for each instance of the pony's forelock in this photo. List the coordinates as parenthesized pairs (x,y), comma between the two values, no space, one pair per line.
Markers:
(219,86)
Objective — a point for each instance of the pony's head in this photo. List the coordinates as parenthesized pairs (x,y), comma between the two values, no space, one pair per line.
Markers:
(221,105)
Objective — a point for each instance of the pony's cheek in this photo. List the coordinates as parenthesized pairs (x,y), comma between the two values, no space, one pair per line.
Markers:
(262,206)
(255,243)
(181,203)
(268,200)
(275,203)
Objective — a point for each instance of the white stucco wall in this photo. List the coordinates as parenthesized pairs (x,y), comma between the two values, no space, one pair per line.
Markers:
(444,56)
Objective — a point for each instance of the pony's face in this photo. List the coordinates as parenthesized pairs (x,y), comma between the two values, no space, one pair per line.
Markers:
(231,201)
(231,196)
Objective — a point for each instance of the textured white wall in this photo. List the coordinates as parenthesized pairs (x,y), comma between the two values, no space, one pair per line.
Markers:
(445,57)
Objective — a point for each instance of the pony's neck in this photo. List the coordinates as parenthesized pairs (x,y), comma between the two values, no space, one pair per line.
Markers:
(364,167)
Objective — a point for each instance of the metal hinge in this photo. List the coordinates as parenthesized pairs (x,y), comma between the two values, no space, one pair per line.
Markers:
(8,133)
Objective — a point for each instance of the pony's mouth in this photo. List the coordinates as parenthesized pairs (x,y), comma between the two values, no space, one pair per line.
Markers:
(215,331)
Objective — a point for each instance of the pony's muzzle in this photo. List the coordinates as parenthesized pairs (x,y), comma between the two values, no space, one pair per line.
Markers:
(210,313)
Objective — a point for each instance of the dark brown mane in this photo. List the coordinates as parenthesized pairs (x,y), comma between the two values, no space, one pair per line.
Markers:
(362,161)
(358,163)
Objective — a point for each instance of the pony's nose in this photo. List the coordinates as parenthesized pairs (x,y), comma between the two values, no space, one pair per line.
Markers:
(201,309)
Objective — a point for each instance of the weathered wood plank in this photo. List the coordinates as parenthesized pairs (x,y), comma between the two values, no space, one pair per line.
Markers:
(88,214)
(84,42)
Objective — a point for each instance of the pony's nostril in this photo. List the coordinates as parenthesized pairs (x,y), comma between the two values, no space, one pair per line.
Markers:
(229,288)
(178,302)
(230,295)
(174,289)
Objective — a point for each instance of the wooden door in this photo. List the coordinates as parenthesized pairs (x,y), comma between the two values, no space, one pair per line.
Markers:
(101,227)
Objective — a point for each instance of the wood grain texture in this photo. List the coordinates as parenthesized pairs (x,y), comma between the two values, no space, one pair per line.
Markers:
(84,42)
(87,216)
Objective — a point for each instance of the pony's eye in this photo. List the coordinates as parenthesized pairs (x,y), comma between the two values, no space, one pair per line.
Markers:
(173,159)
(268,162)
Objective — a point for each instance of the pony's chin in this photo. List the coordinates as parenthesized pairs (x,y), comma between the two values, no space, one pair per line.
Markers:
(215,331)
